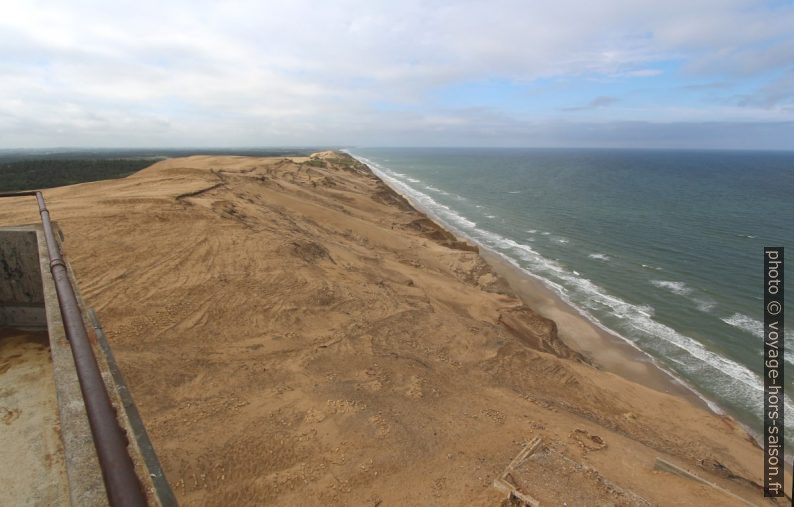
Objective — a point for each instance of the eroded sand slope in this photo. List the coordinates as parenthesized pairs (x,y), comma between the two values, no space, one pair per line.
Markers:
(294,333)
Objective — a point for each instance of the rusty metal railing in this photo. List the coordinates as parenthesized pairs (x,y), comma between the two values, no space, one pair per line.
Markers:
(118,472)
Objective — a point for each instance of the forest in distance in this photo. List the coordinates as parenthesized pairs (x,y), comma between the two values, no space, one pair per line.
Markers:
(37,169)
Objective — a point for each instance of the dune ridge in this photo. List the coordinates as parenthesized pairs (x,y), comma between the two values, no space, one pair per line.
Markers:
(294,332)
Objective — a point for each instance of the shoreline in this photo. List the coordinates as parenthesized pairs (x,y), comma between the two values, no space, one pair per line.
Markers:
(607,350)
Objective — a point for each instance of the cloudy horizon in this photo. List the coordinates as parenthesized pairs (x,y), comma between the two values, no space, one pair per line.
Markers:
(714,74)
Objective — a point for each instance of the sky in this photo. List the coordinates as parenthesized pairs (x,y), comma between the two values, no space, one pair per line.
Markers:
(606,73)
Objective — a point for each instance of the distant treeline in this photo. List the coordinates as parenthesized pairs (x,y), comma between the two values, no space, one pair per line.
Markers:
(53,172)
(33,169)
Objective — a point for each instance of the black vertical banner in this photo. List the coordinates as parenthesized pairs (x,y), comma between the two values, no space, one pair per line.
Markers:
(773,372)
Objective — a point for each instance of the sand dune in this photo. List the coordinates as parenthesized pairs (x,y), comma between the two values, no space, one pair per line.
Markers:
(295,333)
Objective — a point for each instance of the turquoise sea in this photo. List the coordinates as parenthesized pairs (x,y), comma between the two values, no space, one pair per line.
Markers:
(664,248)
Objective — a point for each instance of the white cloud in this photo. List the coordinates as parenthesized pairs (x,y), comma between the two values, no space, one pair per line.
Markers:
(243,72)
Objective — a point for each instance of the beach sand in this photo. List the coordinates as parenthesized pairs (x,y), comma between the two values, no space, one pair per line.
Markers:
(294,332)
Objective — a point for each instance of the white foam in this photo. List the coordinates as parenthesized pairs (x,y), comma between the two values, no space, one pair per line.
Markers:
(679,288)
(648,266)
(600,257)
(515,192)
(532,231)
(423,201)
(490,216)
(745,323)
(438,190)
(704,304)
(562,241)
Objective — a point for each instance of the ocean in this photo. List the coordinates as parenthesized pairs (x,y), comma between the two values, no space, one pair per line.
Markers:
(664,248)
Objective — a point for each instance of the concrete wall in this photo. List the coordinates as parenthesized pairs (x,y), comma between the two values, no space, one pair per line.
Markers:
(21,293)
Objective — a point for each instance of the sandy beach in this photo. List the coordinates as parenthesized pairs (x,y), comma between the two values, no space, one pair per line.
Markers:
(604,349)
(295,332)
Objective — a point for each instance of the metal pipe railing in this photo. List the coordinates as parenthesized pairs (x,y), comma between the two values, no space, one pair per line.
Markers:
(118,472)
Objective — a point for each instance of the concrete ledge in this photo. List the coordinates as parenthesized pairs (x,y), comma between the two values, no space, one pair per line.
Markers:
(146,461)
(86,486)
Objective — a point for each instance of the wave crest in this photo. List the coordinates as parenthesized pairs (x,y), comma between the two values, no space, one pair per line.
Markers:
(679,288)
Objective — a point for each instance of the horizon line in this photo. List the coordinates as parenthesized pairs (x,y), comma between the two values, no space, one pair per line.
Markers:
(350,146)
